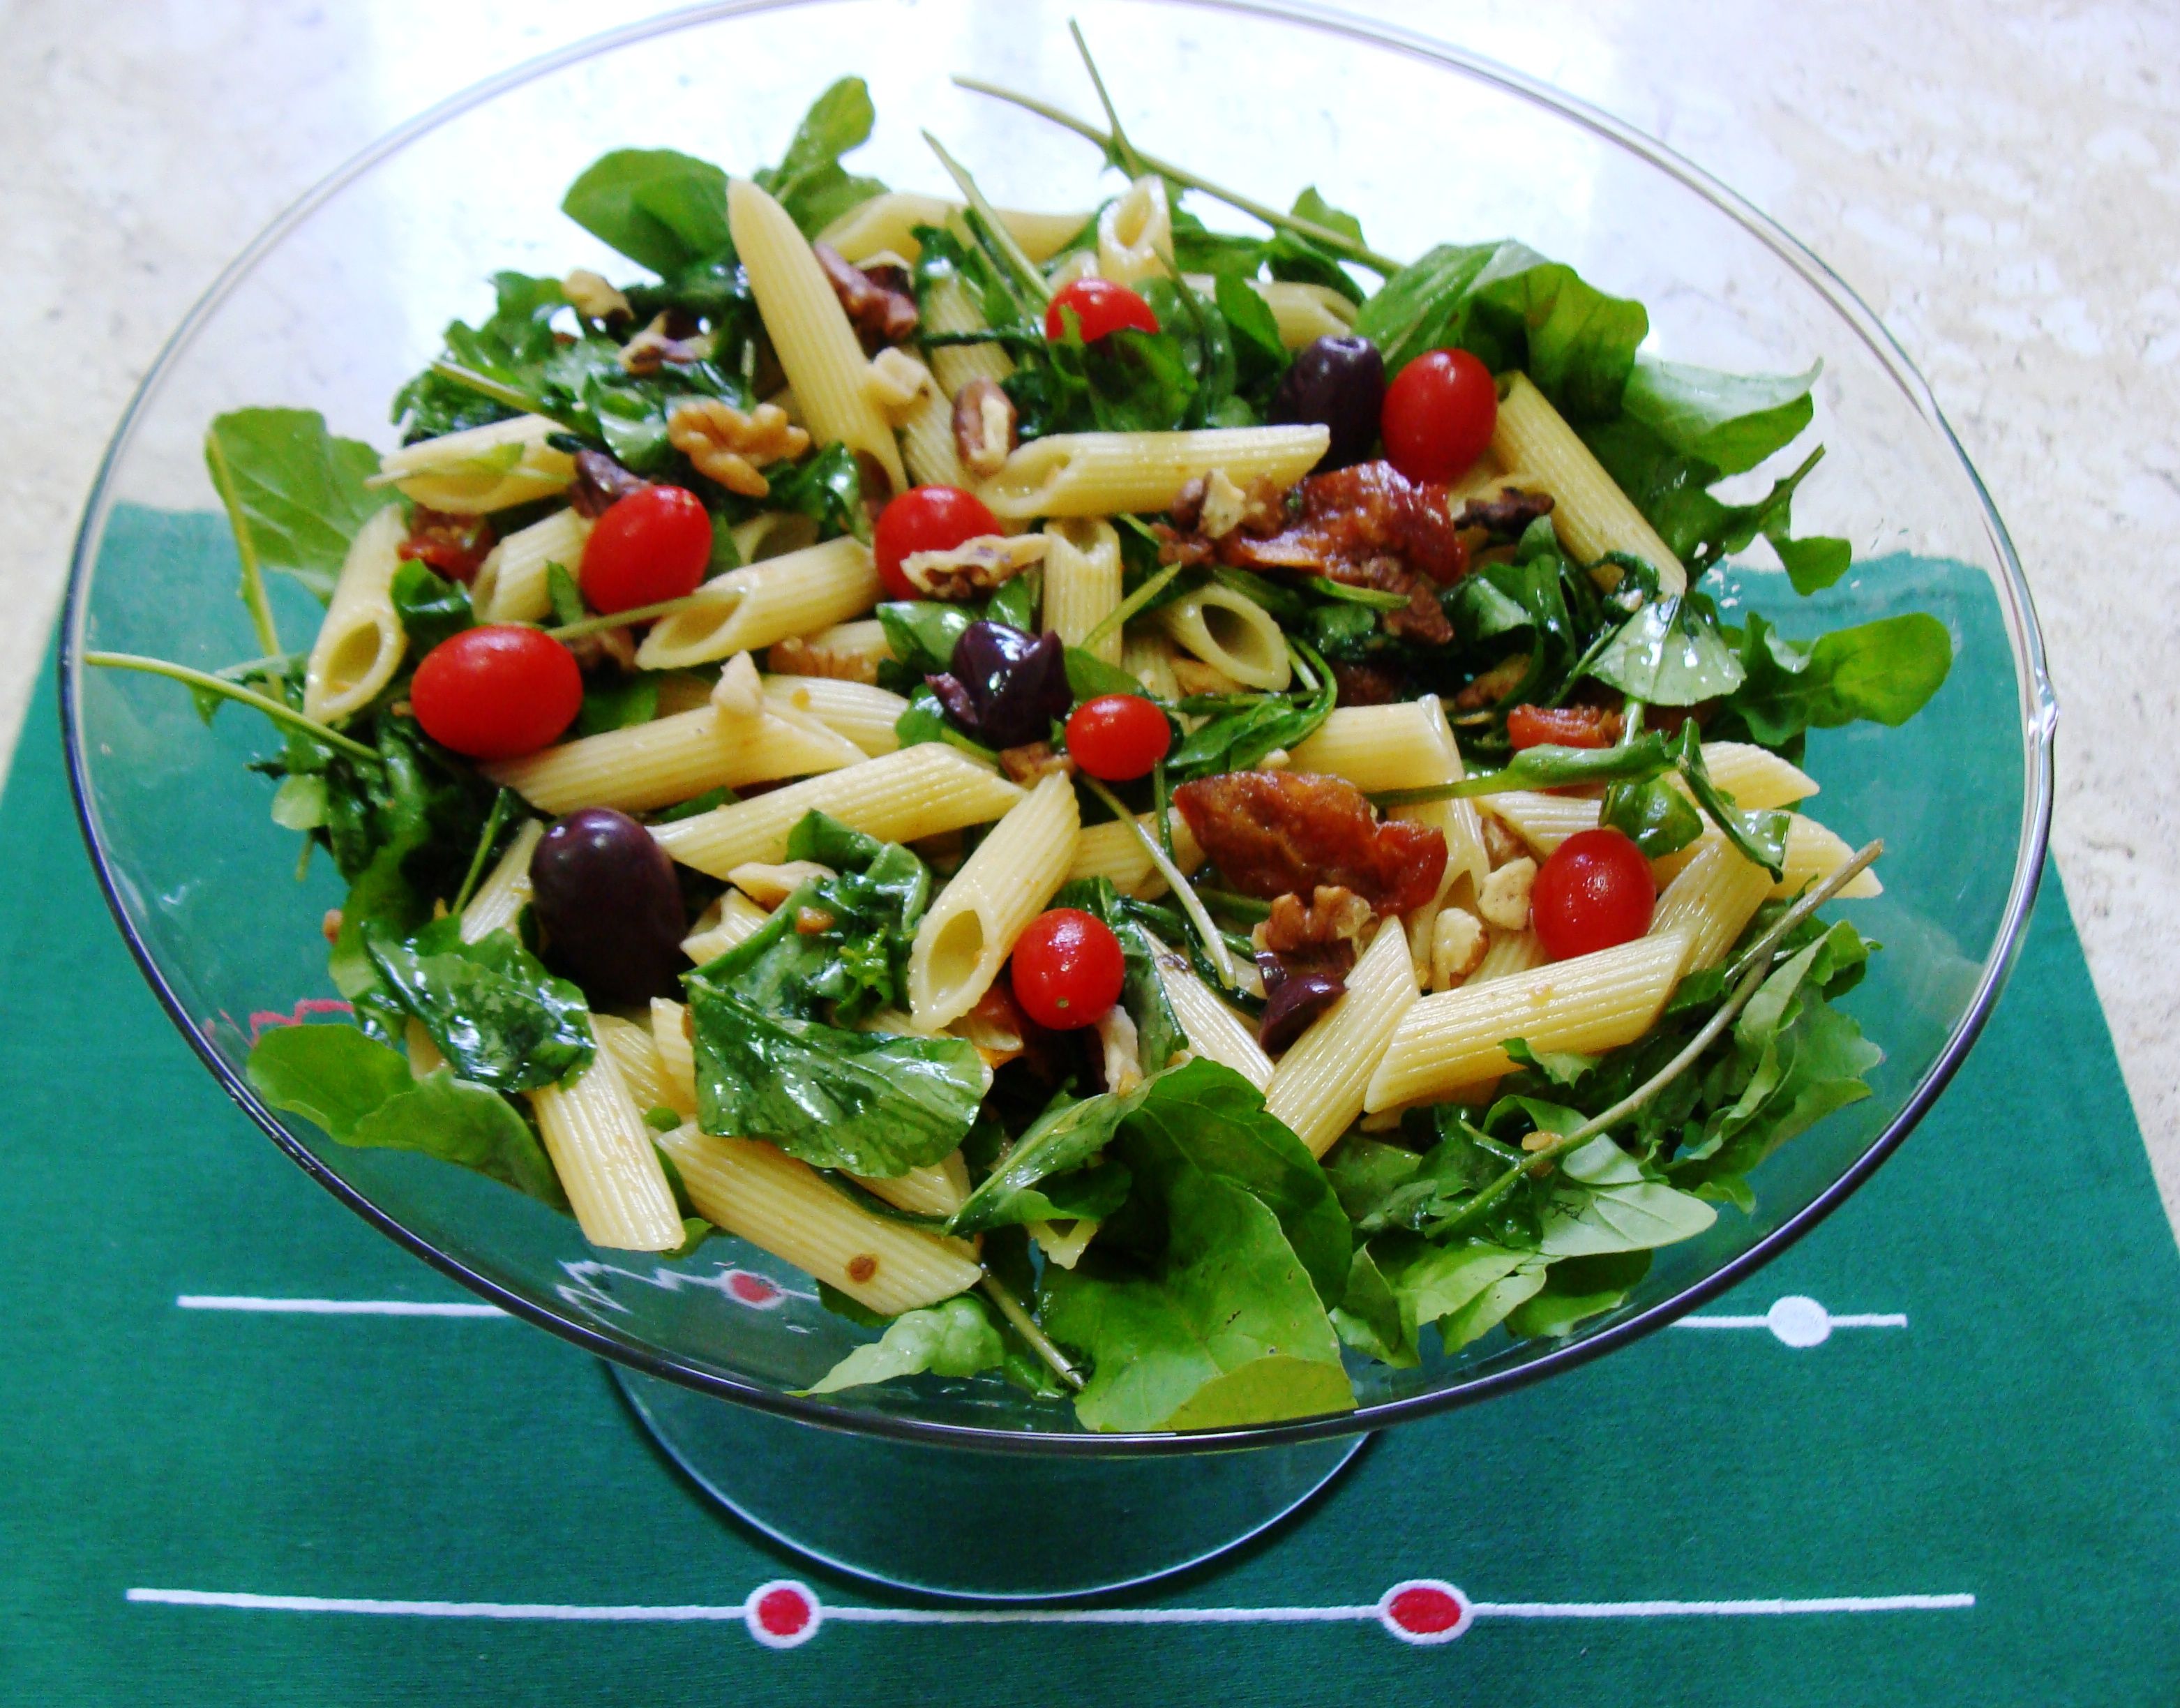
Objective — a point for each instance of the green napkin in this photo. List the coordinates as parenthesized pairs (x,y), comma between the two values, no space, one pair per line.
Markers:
(1954,1459)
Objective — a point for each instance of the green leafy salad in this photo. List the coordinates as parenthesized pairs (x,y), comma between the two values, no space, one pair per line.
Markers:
(1168,812)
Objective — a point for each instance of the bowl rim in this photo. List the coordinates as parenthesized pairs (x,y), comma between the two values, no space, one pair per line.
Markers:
(2039,711)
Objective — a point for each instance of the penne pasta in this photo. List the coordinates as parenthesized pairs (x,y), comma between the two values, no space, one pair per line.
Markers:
(948,307)
(965,938)
(602,1152)
(811,332)
(1082,578)
(1232,633)
(1814,853)
(1135,234)
(846,652)
(856,710)
(1318,1087)
(923,790)
(1590,514)
(1147,654)
(1213,1030)
(481,469)
(728,921)
(505,892)
(1113,850)
(1102,474)
(360,641)
(935,1188)
(648,766)
(774,534)
(799,594)
(513,585)
(928,448)
(643,1069)
(1590,1003)
(758,1192)
(886,225)
(1303,313)
(1510,952)
(1710,903)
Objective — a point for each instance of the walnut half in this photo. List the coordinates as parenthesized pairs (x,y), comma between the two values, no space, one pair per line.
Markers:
(983,426)
(729,447)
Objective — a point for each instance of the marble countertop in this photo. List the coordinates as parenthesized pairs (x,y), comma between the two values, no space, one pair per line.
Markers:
(2001,185)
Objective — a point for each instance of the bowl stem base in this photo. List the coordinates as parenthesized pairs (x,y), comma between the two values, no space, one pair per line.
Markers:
(948,1521)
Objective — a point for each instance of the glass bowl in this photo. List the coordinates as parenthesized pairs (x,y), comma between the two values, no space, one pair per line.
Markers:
(344,297)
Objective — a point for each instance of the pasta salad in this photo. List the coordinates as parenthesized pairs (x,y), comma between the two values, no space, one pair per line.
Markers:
(1166,812)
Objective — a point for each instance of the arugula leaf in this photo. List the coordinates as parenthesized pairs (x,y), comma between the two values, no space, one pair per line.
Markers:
(1670,488)
(1670,653)
(1070,1133)
(926,721)
(1089,675)
(1236,739)
(1015,601)
(954,1338)
(662,209)
(1655,816)
(1227,1331)
(431,608)
(922,634)
(510,347)
(1730,420)
(810,182)
(1760,833)
(1575,1289)
(1467,1289)
(1376,1318)
(362,1093)
(1614,1207)
(827,488)
(617,701)
(1548,765)
(1158,1034)
(494,1012)
(294,493)
(1884,671)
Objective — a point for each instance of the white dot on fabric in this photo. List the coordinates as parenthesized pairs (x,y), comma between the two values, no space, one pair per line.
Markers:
(1798,1321)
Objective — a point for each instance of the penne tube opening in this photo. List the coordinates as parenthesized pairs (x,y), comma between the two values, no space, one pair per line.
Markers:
(1233,633)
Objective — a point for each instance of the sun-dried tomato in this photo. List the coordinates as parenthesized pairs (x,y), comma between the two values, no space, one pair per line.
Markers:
(1278,833)
(1562,726)
(1351,516)
(455,546)
(1369,684)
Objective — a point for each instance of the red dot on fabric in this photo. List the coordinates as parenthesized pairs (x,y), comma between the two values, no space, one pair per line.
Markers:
(1424,1612)
(751,1289)
(782,1612)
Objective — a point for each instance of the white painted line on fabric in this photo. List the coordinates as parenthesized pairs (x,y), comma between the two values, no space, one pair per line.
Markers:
(332,1308)
(423,1610)
(1799,1322)
(1678,1610)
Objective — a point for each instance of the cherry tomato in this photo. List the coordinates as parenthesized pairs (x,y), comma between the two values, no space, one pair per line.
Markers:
(652,545)
(1101,307)
(1439,414)
(1594,893)
(1067,969)
(1561,726)
(926,518)
(497,692)
(1118,737)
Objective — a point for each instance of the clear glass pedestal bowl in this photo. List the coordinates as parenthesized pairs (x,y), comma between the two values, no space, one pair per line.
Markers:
(344,297)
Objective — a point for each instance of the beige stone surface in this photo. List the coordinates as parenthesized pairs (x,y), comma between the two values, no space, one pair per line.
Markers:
(2001,183)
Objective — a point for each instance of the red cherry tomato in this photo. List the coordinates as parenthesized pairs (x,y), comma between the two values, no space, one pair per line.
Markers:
(1067,969)
(1594,893)
(652,545)
(497,692)
(1439,414)
(926,518)
(1101,307)
(1118,737)
(1561,726)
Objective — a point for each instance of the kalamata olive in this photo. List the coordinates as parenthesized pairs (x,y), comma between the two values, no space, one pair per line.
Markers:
(1300,999)
(1339,382)
(605,893)
(1005,687)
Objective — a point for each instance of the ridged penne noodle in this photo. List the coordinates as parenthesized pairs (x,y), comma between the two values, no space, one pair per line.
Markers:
(920,792)
(677,1049)
(1589,512)
(642,1068)
(1753,776)
(359,642)
(1082,584)
(1542,820)
(856,711)
(602,1152)
(936,1189)
(1112,850)
(646,766)
(1232,633)
(505,892)
(928,448)
(774,534)
(1710,903)
(746,609)
(1510,952)
(948,307)
(1592,1002)
(1066,1248)
(758,1192)
(845,652)
(811,332)
(965,938)
(481,469)
(1213,1030)
(514,584)
(1104,474)
(1317,1088)
(1814,853)
(1303,312)
(1147,654)
(728,921)
(886,224)
(1135,234)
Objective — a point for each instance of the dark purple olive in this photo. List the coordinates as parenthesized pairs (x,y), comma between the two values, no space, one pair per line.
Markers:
(1338,382)
(610,906)
(1300,999)
(1005,687)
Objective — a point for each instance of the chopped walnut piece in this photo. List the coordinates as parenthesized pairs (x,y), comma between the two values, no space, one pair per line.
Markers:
(975,566)
(1034,761)
(593,298)
(768,885)
(1509,512)
(995,1026)
(1504,901)
(846,653)
(669,337)
(881,315)
(1333,914)
(983,426)
(600,483)
(729,447)
(895,380)
(1188,504)
(739,693)
(615,645)
(1220,512)
(1458,947)
(1501,841)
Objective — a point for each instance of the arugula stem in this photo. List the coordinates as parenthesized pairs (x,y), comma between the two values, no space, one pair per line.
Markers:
(1162,804)
(1024,1324)
(1128,607)
(1324,235)
(1215,946)
(214,685)
(1747,977)
(1130,162)
(1002,239)
(641,613)
(253,572)
(492,821)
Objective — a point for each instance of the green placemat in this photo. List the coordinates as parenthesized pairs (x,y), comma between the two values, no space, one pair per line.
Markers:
(1931,1450)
